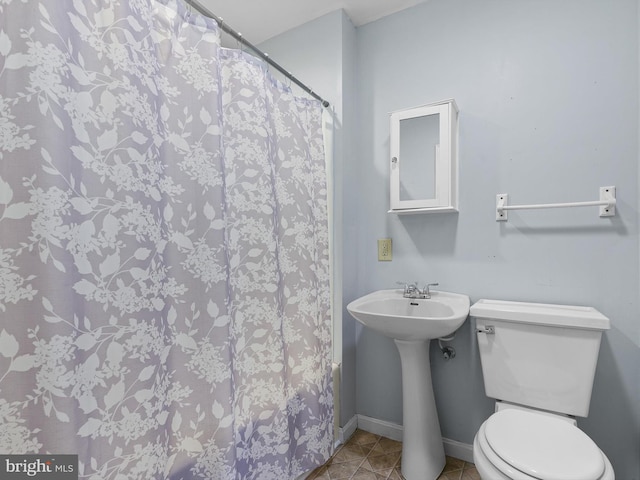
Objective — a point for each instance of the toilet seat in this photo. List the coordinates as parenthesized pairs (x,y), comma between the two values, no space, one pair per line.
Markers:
(524,445)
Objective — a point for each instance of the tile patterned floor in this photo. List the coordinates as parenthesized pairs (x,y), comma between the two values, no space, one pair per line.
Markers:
(371,457)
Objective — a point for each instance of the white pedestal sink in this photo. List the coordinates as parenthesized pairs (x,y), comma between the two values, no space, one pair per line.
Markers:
(412,323)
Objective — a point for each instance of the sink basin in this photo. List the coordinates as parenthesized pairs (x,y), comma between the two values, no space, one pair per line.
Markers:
(412,323)
(389,313)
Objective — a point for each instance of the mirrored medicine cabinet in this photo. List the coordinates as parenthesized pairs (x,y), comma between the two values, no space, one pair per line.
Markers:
(424,159)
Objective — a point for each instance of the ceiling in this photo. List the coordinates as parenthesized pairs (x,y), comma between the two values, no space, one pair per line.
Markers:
(259,20)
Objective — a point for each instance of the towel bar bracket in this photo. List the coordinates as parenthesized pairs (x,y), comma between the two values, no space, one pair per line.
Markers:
(608,194)
(502,200)
(606,204)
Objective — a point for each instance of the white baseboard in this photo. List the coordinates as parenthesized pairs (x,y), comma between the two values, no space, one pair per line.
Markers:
(380,427)
(348,430)
(452,448)
(456,449)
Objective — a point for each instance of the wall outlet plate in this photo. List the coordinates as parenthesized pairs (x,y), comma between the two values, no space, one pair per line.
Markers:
(385,252)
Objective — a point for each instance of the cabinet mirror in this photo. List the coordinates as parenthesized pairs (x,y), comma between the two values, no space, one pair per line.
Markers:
(424,173)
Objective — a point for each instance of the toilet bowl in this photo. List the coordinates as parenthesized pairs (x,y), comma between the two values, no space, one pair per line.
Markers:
(515,444)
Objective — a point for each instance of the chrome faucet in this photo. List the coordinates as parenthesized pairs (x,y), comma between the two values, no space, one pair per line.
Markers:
(411,290)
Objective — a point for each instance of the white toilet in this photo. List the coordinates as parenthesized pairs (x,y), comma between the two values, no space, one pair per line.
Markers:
(538,362)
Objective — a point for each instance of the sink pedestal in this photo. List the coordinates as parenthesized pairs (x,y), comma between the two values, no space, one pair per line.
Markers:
(422,449)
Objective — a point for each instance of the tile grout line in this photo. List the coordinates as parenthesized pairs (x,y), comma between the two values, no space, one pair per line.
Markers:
(361,463)
(382,452)
(364,459)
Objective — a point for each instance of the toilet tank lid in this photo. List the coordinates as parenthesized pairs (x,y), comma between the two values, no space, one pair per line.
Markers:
(570,316)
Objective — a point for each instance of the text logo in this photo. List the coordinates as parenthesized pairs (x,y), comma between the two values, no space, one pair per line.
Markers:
(39,467)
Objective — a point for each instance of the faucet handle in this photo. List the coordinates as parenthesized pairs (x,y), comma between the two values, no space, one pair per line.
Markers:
(425,290)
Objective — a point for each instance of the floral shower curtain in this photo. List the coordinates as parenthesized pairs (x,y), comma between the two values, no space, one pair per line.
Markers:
(164,299)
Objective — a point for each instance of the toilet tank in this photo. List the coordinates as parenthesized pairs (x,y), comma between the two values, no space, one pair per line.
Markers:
(539,355)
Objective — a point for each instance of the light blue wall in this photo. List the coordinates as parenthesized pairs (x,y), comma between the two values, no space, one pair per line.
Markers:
(548,97)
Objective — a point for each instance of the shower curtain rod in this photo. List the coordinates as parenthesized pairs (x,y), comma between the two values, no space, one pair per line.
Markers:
(238,36)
